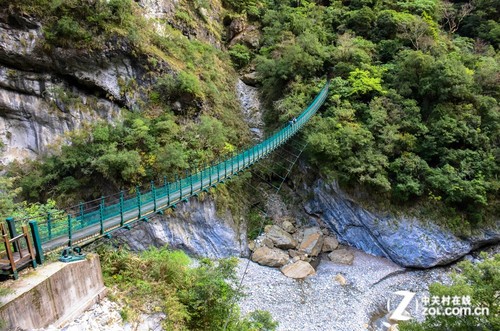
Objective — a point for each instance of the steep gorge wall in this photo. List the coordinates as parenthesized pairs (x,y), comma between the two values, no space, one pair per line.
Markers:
(408,241)
(46,91)
(44,94)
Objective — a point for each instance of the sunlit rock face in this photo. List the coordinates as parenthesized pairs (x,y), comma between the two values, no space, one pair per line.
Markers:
(194,227)
(45,93)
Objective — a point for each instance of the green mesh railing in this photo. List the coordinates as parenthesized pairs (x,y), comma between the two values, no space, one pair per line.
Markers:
(100,217)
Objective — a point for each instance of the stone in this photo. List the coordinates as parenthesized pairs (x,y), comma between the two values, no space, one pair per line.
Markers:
(251,245)
(288,226)
(407,241)
(298,235)
(250,78)
(312,242)
(281,238)
(325,231)
(298,270)
(341,279)
(305,258)
(267,242)
(271,257)
(267,228)
(329,244)
(296,258)
(342,256)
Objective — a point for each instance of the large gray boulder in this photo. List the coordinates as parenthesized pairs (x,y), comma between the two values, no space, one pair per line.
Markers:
(271,257)
(407,241)
(280,237)
(298,270)
(194,227)
(312,242)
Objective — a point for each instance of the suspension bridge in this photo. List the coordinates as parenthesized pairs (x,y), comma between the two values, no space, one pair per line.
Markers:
(99,218)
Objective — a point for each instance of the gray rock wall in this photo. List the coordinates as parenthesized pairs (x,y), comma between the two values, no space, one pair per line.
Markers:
(406,241)
(194,227)
(47,92)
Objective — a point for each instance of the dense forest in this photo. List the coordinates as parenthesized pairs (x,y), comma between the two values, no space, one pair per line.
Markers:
(412,117)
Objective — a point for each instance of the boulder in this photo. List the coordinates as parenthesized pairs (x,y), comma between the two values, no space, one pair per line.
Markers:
(271,257)
(329,244)
(342,256)
(288,226)
(267,242)
(281,238)
(251,245)
(298,270)
(250,78)
(312,242)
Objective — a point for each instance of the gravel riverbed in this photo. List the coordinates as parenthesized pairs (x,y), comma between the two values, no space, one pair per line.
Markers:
(322,303)
(338,297)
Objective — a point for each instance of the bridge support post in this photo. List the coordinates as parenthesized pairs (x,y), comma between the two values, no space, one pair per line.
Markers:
(225,169)
(210,174)
(218,171)
(167,189)
(138,192)
(82,223)
(121,208)
(69,230)
(49,225)
(153,192)
(101,215)
(180,189)
(37,242)
(11,224)
(191,182)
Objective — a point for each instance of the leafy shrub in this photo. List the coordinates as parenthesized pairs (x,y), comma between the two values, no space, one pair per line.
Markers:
(193,298)
(240,54)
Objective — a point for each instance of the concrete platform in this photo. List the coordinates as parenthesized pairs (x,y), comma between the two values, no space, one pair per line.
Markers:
(52,294)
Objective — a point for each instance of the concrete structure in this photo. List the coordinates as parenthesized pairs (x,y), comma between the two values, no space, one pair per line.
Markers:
(52,295)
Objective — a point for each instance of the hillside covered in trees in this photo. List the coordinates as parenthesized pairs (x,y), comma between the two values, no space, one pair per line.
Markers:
(413,115)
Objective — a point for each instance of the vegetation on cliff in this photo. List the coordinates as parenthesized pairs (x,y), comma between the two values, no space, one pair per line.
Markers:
(413,114)
(187,114)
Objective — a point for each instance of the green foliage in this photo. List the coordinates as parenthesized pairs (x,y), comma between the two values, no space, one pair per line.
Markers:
(8,194)
(193,298)
(480,282)
(255,223)
(106,158)
(413,110)
(240,54)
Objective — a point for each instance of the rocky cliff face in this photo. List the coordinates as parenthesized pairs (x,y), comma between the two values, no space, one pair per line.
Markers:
(194,227)
(407,241)
(46,93)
